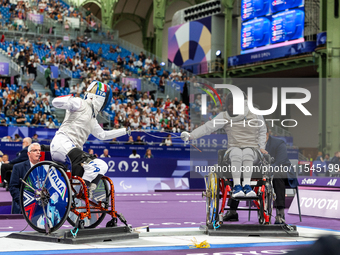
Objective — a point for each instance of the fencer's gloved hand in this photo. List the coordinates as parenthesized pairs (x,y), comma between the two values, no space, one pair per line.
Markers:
(185,136)
(128,131)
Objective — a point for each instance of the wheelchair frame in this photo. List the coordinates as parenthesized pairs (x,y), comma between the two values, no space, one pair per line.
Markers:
(218,186)
(50,184)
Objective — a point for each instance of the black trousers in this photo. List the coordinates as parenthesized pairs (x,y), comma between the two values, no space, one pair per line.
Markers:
(6,171)
(48,84)
(279,185)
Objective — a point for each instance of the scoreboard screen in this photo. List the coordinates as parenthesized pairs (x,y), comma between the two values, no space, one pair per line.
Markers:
(288,25)
(255,33)
(254,8)
(268,24)
(281,5)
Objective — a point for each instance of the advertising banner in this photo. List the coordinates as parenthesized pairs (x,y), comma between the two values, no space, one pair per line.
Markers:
(4,68)
(36,18)
(281,52)
(318,203)
(143,167)
(134,83)
(320,181)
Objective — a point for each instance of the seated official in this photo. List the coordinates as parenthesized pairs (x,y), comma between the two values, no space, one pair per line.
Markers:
(277,149)
(19,172)
(7,167)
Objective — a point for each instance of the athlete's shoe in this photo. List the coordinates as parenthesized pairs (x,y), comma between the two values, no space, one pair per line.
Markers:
(248,191)
(229,216)
(237,191)
(279,219)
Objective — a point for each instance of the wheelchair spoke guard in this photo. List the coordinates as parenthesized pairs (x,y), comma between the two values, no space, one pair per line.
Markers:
(47,206)
(212,198)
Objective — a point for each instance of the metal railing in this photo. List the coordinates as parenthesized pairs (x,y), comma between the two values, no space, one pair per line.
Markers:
(64,72)
(149,86)
(41,75)
(82,10)
(14,67)
(205,67)
(279,131)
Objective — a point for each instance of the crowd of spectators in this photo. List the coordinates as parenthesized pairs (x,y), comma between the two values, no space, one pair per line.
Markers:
(129,106)
(22,106)
(13,14)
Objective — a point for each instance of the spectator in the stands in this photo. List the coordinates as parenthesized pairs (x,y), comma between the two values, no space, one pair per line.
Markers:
(43,119)
(114,141)
(139,141)
(327,157)
(134,154)
(17,138)
(142,56)
(105,154)
(319,157)
(88,12)
(47,96)
(21,119)
(6,139)
(168,141)
(135,123)
(50,123)
(309,157)
(334,165)
(130,141)
(36,120)
(9,50)
(35,138)
(47,107)
(39,42)
(10,111)
(148,154)
(49,44)
(21,41)
(6,93)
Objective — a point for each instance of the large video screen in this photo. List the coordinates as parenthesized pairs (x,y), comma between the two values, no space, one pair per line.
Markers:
(281,5)
(288,25)
(254,8)
(271,23)
(255,33)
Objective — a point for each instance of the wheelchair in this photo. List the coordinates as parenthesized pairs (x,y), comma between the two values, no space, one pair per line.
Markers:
(50,195)
(219,186)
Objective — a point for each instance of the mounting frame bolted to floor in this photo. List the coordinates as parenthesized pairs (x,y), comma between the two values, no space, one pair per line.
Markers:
(83,235)
(250,230)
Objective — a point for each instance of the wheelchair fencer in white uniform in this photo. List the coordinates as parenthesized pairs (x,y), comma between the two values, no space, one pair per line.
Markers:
(243,140)
(79,122)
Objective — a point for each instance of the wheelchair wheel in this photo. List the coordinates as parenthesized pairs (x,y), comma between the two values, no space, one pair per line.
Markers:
(269,201)
(45,197)
(101,193)
(212,200)
(266,206)
(260,213)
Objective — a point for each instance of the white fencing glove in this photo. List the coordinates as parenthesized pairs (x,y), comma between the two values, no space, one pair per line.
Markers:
(185,136)
(128,131)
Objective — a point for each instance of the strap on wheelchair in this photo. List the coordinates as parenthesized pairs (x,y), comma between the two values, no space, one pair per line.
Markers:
(44,147)
(77,156)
